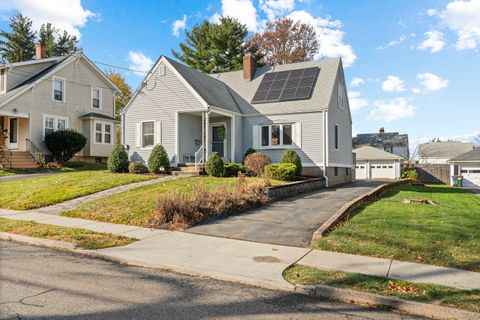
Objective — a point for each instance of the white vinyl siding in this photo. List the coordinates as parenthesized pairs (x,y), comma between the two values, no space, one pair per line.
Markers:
(160,104)
(3,79)
(340,96)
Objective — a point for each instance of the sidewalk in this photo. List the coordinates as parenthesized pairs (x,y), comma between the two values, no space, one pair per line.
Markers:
(248,262)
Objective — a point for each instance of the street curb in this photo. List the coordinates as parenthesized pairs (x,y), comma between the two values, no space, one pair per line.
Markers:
(343,213)
(332,293)
(392,303)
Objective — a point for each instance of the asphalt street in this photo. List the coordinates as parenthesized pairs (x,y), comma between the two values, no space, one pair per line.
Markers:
(38,283)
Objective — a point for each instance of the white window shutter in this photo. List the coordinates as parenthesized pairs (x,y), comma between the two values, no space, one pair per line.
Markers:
(158,132)
(138,135)
(297,135)
(256,138)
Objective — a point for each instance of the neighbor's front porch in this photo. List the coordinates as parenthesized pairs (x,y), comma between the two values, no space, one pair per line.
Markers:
(200,133)
(15,131)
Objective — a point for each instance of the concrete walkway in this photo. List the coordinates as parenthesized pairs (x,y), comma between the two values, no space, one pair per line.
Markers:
(290,222)
(244,261)
(57,209)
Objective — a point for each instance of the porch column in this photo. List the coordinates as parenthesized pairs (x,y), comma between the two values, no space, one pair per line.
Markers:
(232,139)
(207,136)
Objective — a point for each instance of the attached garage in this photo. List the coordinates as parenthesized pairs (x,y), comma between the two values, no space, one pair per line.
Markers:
(468,166)
(373,163)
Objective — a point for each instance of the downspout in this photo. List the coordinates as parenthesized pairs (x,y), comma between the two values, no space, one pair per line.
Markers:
(325,146)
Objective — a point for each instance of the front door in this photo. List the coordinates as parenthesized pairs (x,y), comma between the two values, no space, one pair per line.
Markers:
(13,133)
(218,139)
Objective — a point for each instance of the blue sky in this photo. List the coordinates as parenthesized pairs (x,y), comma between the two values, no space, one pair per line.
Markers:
(412,66)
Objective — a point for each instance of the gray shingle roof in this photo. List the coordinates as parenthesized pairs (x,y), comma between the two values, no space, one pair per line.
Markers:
(393,139)
(214,92)
(97,115)
(472,155)
(443,149)
(245,90)
(371,153)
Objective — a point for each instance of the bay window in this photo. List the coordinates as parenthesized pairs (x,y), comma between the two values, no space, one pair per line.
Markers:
(103,133)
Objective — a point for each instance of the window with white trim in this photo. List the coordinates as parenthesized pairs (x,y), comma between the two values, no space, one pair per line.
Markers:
(96,98)
(340,95)
(52,124)
(276,135)
(336,137)
(58,89)
(148,134)
(103,133)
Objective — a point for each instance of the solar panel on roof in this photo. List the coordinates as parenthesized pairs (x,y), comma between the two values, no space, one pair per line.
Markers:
(286,85)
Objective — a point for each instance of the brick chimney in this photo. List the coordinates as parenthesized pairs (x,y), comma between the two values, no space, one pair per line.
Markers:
(40,51)
(249,66)
(382,130)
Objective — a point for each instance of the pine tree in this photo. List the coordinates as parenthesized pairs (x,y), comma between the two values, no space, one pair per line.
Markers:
(212,48)
(47,38)
(65,44)
(57,44)
(18,44)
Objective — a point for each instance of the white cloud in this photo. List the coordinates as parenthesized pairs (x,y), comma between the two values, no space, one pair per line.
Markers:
(276,8)
(463,17)
(67,15)
(330,36)
(140,62)
(430,82)
(356,81)
(393,43)
(434,41)
(178,25)
(243,10)
(356,101)
(391,110)
(393,84)
(431,12)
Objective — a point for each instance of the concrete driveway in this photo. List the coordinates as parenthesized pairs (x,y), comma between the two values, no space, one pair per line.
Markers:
(289,222)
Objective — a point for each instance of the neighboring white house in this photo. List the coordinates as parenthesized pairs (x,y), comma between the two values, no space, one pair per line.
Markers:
(373,163)
(442,151)
(302,106)
(468,166)
(48,94)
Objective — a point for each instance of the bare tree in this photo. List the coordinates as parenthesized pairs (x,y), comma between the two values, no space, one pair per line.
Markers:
(285,41)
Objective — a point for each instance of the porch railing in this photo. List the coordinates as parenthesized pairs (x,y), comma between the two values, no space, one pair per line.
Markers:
(199,156)
(35,152)
(6,154)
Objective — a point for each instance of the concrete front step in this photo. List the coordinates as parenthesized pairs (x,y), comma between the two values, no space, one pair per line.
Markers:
(20,160)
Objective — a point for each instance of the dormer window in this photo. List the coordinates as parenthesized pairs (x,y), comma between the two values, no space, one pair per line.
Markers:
(59,89)
(96,98)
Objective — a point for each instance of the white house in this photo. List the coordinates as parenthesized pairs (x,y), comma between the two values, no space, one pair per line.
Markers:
(442,151)
(468,166)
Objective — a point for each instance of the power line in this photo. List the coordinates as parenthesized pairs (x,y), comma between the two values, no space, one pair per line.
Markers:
(118,67)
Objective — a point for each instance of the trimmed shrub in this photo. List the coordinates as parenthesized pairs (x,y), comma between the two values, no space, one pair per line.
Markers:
(214,166)
(136,167)
(281,171)
(410,174)
(232,169)
(158,160)
(64,144)
(179,210)
(290,156)
(255,163)
(247,153)
(118,159)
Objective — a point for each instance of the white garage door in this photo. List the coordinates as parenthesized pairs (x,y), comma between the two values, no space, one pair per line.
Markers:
(383,170)
(471,177)
(360,171)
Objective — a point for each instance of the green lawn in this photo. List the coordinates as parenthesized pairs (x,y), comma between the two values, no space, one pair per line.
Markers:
(39,192)
(9,172)
(421,292)
(68,166)
(83,238)
(445,234)
(135,207)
